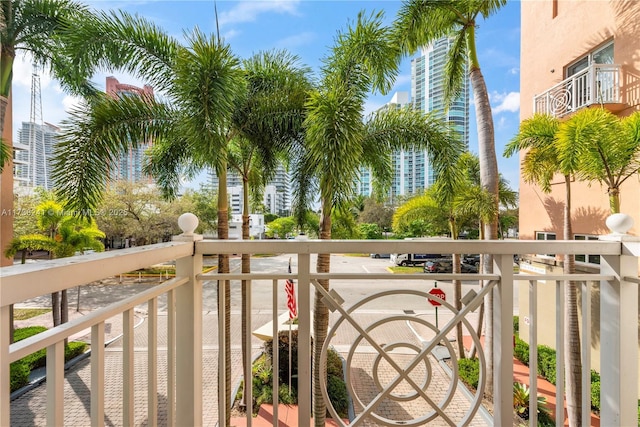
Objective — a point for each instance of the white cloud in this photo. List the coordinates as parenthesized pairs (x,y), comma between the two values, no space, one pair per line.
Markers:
(296,40)
(507,102)
(228,35)
(514,70)
(71,102)
(248,11)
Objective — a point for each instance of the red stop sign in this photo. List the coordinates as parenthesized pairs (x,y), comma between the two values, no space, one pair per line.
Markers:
(437,292)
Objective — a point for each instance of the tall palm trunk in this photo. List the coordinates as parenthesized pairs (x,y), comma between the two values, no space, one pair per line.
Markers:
(223,267)
(321,319)
(489,181)
(457,288)
(572,357)
(246,268)
(472,352)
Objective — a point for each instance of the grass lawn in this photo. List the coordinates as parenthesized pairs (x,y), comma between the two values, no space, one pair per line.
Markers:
(407,270)
(28,313)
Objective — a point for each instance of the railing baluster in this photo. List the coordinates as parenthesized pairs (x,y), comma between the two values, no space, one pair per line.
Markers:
(304,340)
(128,404)
(171,358)
(55,384)
(152,363)
(222,362)
(533,352)
(586,353)
(275,355)
(5,372)
(248,382)
(97,375)
(560,321)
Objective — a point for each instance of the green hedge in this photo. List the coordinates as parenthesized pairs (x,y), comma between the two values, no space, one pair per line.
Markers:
(336,387)
(20,369)
(469,371)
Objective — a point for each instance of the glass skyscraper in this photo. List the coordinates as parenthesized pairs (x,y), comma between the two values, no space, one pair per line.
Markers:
(412,170)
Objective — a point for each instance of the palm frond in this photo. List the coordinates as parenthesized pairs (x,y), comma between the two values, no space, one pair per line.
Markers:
(116,40)
(94,137)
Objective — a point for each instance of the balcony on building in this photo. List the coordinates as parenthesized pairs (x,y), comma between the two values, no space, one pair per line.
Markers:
(595,85)
(166,369)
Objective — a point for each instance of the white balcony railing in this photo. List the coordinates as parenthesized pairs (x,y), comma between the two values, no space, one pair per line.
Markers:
(596,84)
(177,359)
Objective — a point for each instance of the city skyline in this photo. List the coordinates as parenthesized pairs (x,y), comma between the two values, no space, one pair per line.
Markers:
(308,29)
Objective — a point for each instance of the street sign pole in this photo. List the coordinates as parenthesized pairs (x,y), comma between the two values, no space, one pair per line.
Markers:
(439,293)
(436,285)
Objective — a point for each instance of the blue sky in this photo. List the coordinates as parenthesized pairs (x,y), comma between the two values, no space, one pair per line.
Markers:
(307,28)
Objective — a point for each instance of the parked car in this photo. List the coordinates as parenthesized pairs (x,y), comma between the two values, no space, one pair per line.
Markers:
(472,259)
(376,256)
(446,266)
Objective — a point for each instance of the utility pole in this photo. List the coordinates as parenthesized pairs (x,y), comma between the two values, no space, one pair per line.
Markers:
(36,132)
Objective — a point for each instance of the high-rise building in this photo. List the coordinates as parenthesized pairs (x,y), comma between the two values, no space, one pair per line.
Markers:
(33,162)
(412,170)
(128,167)
(276,198)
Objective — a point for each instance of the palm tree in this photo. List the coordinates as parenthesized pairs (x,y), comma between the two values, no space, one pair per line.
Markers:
(38,27)
(190,129)
(602,147)
(266,121)
(339,141)
(211,102)
(420,22)
(541,136)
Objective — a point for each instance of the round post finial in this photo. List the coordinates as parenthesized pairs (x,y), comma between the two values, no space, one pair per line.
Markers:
(619,223)
(188,223)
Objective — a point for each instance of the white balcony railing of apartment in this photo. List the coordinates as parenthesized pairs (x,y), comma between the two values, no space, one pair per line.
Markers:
(168,376)
(596,84)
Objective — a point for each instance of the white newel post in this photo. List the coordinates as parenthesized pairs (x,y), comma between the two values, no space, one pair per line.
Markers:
(619,328)
(503,341)
(189,329)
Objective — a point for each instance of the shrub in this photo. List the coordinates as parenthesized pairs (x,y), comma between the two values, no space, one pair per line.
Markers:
(19,375)
(262,374)
(74,349)
(521,405)
(595,395)
(547,363)
(521,351)
(337,391)
(516,325)
(20,369)
(469,371)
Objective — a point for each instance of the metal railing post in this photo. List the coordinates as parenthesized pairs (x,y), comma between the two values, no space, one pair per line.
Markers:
(189,326)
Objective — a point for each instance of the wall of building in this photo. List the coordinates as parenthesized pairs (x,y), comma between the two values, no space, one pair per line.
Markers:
(548,45)
(556,33)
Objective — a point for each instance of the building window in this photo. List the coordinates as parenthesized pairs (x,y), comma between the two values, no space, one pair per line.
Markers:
(601,55)
(544,235)
(591,259)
